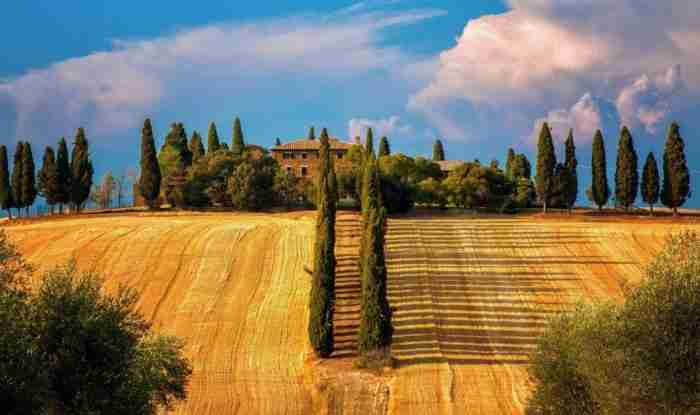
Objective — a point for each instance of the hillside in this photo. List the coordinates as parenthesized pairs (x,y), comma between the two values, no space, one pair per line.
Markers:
(470,296)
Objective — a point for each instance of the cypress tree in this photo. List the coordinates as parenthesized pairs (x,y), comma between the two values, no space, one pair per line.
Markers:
(626,173)
(173,161)
(63,174)
(238,143)
(570,164)
(278,142)
(375,315)
(17,172)
(323,279)
(369,143)
(81,171)
(47,181)
(438,151)
(182,138)
(510,159)
(29,191)
(600,192)
(676,184)
(312,133)
(5,188)
(196,146)
(384,149)
(213,139)
(149,182)
(650,182)
(546,161)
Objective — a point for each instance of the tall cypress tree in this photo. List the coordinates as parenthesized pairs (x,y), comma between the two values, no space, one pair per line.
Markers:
(676,184)
(626,173)
(181,134)
(63,173)
(650,182)
(47,180)
(149,182)
(323,279)
(81,171)
(5,188)
(238,143)
(384,149)
(570,164)
(599,192)
(312,133)
(510,159)
(29,191)
(375,315)
(17,172)
(213,139)
(196,146)
(369,144)
(546,161)
(438,151)
(173,160)
(278,142)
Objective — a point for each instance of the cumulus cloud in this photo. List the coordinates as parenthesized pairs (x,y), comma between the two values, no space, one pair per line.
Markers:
(586,116)
(542,56)
(113,90)
(390,127)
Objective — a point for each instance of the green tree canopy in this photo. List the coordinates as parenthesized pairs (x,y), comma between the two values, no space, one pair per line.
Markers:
(29,191)
(626,174)
(149,182)
(64,174)
(6,201)
(438,151)
(238,142)
(213,139)
(384,149)
(546,161)
(312,133)
(599,191)
(196,146)
(81,171)
(676,182)
(17,172)
(47,182)
(650,182)
(570,164)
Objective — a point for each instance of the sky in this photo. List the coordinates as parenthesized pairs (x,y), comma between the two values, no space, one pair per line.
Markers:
(481,75)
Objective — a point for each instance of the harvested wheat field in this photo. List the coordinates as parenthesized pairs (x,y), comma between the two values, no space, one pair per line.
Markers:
(470,295)
(232,286)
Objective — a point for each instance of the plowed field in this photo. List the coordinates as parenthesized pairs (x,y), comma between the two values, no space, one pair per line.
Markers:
(470,295)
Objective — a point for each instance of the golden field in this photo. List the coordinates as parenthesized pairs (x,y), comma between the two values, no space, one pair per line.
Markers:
(470,294)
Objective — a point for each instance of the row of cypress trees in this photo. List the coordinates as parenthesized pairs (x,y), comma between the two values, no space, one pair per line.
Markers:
(59,180)
(673,191)
(552,177)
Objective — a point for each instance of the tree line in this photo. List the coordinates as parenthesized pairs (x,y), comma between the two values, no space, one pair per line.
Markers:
(60,180)
(560,180)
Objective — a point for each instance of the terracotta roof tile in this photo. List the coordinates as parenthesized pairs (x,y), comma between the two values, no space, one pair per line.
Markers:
(306,144)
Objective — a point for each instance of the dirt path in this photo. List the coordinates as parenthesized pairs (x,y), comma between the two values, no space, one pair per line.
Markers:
(232,286)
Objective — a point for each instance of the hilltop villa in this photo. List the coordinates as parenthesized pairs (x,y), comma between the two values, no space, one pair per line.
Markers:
(300,157)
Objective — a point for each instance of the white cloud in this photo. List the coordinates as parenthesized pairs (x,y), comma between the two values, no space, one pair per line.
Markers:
(584,117)
(546,54)
(112,91)
(390,127)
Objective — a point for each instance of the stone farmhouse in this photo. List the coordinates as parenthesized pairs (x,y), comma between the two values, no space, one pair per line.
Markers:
(300,157)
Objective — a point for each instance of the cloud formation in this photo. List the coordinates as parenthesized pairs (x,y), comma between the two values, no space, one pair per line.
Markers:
(390,127)
(112,91)
(555,58)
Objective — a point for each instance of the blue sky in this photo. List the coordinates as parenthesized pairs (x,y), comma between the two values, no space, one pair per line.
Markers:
(481,74)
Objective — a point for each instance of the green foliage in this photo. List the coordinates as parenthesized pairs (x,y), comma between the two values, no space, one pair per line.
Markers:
(599,191)
(196,146)
(375,315)
(676,182)
(17,171)
(287,187)
(472,185)
(521,167)
(438,151)
(431,192)
(174,160)
(6,201)
(369,144)
(650,182)
(47,182)
(29,191)
(570,164)
(278,142)
(639,357)
(626,174)
(63,172)
(81,171)
(322,298)
(149,182)
(510,159)
(213,144)
(237,143)
(546,162)
(384,149)
(312,133)
(251,182)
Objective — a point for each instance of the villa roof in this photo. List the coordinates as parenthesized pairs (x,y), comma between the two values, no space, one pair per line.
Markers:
(449,165)
(311,145)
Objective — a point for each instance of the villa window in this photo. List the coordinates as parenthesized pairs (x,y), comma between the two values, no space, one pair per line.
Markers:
(304,171)
(340,155)
(303,155)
